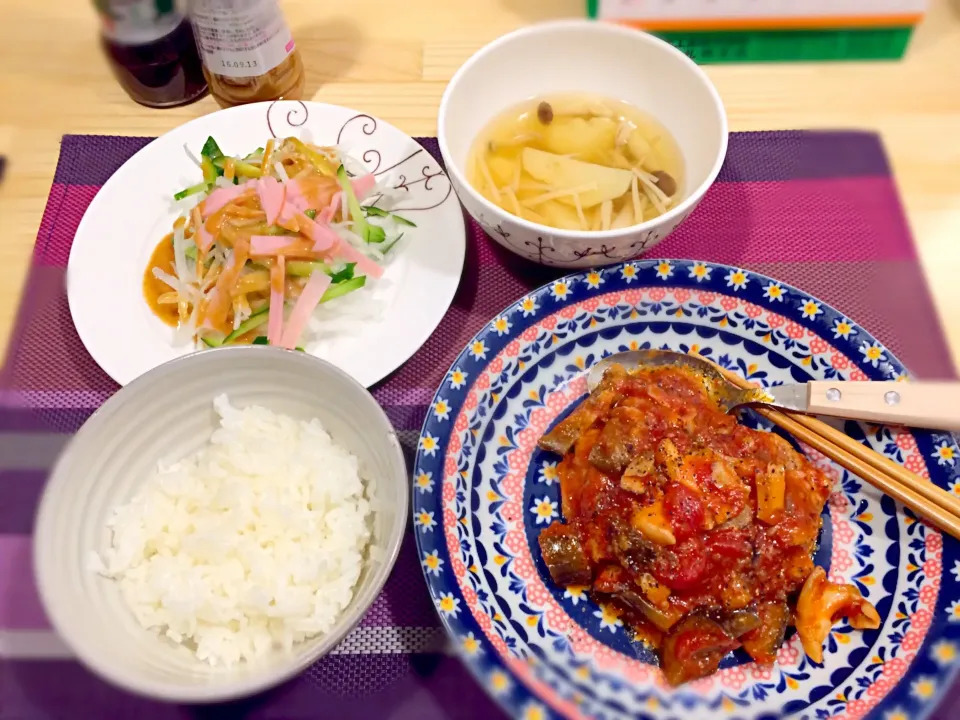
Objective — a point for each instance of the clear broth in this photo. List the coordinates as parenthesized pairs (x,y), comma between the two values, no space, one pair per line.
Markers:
(520,163)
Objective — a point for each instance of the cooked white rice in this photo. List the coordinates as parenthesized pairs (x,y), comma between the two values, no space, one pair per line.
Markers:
(254,542)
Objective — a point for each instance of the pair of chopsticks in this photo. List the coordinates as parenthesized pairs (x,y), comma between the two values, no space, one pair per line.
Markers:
(936,505)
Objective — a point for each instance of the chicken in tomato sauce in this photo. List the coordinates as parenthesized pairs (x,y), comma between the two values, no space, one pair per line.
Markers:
(700,531)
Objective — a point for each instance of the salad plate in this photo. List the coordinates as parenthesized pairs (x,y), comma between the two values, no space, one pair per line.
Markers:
(483,491)
(368,334)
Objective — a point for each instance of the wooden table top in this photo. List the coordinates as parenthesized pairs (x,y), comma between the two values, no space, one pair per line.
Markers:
(393,59)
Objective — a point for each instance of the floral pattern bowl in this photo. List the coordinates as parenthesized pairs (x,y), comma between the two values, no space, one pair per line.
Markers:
(585,56)
(483,491)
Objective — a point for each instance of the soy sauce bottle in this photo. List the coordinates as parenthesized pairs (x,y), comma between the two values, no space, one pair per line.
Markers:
(151,49)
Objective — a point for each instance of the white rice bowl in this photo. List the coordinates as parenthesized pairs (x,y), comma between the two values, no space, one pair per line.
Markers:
(254,542)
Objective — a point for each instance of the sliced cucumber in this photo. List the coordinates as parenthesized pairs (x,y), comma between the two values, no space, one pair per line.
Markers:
(262,340)
(251,323)
(389,247)
(377,212)
(240,168)
(210,149)
(210,171)
(305,268)
(344,274)
(214,340)
(192,190)
(343,288)
(375,233)
(361,227)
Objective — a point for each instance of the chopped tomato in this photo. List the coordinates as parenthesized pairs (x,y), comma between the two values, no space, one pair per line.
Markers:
(694,649)
(730,543)
(612,579)
(685,510)
(683,566)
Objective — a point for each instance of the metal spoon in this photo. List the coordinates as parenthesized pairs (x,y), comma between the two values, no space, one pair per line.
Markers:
(917,404)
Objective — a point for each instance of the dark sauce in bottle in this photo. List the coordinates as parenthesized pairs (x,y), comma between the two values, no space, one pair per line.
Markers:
(151,49)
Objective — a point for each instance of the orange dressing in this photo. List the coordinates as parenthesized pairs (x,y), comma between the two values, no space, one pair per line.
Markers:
(153,288)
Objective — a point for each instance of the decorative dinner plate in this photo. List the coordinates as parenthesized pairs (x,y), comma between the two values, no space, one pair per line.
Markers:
(134,210)
(483,492)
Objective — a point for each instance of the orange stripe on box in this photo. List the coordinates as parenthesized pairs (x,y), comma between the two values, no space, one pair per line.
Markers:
(826,22)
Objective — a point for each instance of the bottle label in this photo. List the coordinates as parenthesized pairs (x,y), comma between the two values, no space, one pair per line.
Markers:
(137,22)
(240,38)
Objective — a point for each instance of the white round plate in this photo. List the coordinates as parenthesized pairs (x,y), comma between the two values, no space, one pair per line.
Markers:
(134,210)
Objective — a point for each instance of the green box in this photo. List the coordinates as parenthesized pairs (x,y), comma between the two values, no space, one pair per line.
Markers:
(765,46)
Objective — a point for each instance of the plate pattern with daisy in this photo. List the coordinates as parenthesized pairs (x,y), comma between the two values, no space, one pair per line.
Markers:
(483,492)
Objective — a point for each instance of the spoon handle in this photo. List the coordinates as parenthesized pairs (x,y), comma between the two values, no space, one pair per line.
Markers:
(916,404)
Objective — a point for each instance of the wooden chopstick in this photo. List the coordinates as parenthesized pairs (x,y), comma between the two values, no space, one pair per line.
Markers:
(923,497)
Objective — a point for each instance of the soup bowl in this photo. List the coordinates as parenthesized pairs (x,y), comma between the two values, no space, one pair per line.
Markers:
(571,56)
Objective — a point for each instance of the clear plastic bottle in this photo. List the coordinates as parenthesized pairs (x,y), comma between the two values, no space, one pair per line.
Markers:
(247,50)
(151,50)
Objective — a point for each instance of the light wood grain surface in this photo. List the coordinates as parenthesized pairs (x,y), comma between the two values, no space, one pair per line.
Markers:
(392,58)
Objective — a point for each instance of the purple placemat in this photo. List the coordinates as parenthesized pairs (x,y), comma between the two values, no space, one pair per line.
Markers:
(814,209)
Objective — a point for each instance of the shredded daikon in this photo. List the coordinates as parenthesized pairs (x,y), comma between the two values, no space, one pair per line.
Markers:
(344,231)
(353,167)
(530,185)
(564,192)
(635,197)
(606,214)
(623,219)
(512,196)
(281,173)
(652,191)
(167,278)
(579,207)
(241,310)
(193,158)
(517,173)
(488,178)
(653,182)
(516,141)
(184,275)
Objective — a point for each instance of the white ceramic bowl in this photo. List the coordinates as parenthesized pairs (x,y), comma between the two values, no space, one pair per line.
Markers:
(583,56)
(168,413)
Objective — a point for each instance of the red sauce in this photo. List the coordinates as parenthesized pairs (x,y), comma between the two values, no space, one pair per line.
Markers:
(660,505)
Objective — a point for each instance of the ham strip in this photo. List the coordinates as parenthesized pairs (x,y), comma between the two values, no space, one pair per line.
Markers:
(272,197)
(220,197)
(295,203)
(363,185)
(307,302)
(201,236)
(277,285)
(326,215)
(270,244)
(323,237)
(349,253)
